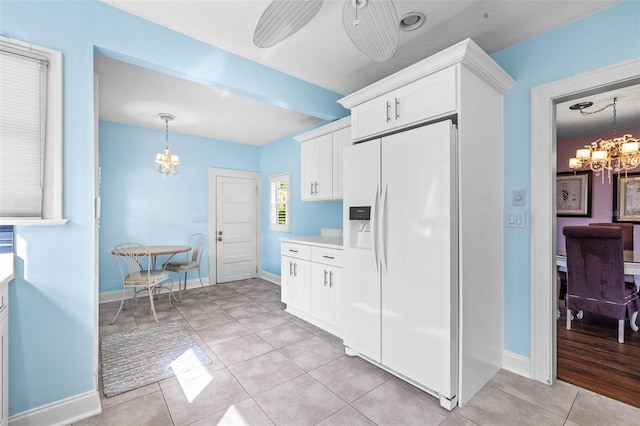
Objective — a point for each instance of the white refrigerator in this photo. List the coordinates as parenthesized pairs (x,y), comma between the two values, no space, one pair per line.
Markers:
(401,256)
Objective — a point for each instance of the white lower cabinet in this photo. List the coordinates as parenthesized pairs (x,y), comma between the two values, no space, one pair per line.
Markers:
(326,285)
(311,280)
(296,276)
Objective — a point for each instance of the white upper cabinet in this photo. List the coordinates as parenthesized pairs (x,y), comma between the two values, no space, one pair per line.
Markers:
(341,139)
(321,160)
(317,168)
(428,98)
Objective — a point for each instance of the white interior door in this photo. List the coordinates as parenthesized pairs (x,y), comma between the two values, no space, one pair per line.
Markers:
(236,228)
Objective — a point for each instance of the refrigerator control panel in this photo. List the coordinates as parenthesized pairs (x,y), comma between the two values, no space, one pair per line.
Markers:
(360,213)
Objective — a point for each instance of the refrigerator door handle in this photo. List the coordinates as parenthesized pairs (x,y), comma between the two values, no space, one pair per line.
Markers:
(374,233)
(383,208)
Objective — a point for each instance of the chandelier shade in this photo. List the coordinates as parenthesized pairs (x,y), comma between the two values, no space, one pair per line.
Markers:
(618,154)
(167,163)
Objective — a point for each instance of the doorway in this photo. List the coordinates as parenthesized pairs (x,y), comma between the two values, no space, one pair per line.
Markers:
(543,226)
(234,212)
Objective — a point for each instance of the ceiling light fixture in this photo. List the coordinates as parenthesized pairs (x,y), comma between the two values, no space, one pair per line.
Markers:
(167,163)
(412,21)
(618,154)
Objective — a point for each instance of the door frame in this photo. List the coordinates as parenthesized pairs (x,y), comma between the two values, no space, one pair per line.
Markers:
(543,184)
(214,173)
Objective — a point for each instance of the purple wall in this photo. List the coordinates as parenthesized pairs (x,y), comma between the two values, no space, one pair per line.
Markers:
(601,193)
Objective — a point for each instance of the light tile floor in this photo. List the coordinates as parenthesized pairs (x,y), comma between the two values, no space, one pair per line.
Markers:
(269,367)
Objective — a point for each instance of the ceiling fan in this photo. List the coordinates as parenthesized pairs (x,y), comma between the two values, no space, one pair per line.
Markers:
(371,25)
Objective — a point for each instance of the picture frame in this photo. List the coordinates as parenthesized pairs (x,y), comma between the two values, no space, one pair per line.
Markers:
(626,198)
(573,194)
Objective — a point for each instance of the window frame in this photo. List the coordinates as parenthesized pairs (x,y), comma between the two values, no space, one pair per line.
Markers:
(52,198)
(272,225)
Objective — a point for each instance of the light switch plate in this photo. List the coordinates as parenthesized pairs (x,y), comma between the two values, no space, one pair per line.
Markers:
(519,197)
(515,219)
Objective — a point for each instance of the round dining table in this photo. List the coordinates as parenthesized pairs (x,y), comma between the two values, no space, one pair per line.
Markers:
(155,250)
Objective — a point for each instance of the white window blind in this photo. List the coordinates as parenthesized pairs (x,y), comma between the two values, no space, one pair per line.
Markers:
(279,208)
(23,113)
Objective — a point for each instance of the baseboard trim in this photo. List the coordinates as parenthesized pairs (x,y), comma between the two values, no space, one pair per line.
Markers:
(63,412)
(516,363)
(270,277)
(116,295)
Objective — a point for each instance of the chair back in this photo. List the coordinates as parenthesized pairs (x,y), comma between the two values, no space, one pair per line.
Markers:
(595,269)
(196,242)
(131,257)
(627,232)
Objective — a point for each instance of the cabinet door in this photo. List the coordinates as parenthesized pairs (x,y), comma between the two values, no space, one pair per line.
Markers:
(341,139)
(323,186)
(310,169)
(425,99)
(322,305)
(372,117)
(286,279)
(336,286)
(324,284)
(296,283)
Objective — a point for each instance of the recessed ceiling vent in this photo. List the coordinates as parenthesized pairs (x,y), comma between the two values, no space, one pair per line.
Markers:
(412,21)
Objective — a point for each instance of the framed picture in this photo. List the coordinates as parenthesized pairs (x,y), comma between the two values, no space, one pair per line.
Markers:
(626,198)
(573,194)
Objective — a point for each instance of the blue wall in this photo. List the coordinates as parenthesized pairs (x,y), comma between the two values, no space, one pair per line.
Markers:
(606,37)
(52,298)
(137,202)
(307,217)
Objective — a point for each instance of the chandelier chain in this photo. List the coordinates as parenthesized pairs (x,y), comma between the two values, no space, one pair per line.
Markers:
(613,104)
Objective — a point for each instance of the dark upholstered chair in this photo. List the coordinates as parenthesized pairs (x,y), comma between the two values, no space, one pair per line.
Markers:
(595,275)
(627,232)
(627,241)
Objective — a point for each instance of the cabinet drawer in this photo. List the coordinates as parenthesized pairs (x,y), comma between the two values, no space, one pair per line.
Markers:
(299,251)
(327,256)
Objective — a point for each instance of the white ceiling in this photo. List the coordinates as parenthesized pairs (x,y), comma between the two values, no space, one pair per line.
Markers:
(320,53)
(572,124)
(134,95)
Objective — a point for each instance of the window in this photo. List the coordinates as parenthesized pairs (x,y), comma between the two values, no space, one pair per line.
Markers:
(30,134)
(6,239)
(279,207)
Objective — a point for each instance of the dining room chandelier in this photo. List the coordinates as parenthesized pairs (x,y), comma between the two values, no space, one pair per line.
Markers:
(618,154)
(167,163)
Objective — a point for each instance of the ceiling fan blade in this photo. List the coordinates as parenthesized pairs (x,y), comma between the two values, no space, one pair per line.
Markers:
(283,18)
(374,31)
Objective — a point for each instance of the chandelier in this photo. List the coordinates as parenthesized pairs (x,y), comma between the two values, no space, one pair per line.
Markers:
(166,162)
(618,154)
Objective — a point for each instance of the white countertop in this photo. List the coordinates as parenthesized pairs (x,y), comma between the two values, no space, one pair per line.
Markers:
(316,240)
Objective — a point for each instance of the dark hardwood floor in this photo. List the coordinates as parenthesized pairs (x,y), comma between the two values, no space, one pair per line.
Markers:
(590,356)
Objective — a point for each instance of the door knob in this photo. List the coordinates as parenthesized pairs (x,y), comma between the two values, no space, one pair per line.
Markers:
(219,238)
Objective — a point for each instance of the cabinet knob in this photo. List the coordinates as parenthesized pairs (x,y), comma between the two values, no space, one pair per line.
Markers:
(388,112)
(397,108)
(219,238)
